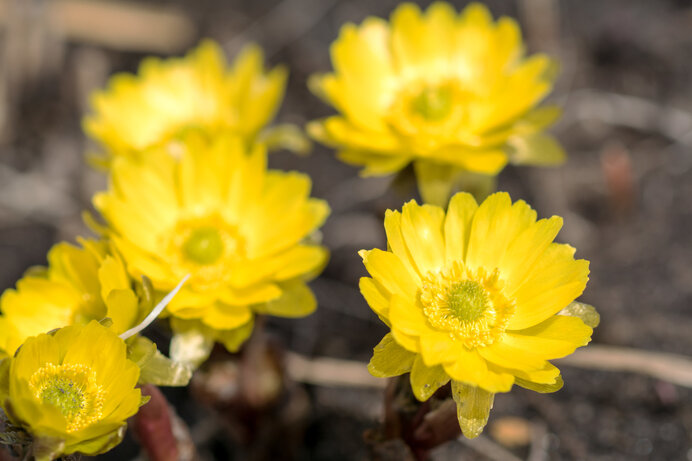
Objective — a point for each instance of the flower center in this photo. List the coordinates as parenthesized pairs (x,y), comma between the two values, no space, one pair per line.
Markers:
(204,245)
(469,305)
(433,103)
(467,300)
(429,112)
(72,388)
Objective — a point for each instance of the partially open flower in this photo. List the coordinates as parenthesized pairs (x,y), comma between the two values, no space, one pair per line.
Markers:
(211,209)
(80,284)
(475,296)
(71,391)
(451,92)
(198,91)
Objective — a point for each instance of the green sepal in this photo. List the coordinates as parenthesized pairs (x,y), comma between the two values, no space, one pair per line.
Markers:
(286,136)
(437,182)
(390,359)
(106,322)
(155,368)
(233,339)
(47,448)
(4,378)
(296,300)
(536,149)
(99,445)
(425,381)
(190,345)
(473,408)
(585,312)
(538,387)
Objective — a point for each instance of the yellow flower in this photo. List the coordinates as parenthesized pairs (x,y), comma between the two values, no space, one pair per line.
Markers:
(212,210)
(472,297)
(452,93)
(79,285)
(72,391)
(199,91)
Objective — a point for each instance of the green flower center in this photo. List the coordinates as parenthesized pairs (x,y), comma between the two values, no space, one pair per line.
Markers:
(63,393)
(204,245)
(467,304)
(433,103)
(72,389)
(467,300)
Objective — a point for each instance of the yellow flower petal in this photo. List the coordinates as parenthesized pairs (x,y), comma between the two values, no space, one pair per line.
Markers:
(421,227)
(507,355)
(554,281)
(390,271)
(375,296)
(554,338)
(497,221)
(407,317)
(457,227)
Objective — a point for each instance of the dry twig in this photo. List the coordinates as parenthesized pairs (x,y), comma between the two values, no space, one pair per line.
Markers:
(126,26)
(631,112)
(676,369)
(488,448)
(331,372)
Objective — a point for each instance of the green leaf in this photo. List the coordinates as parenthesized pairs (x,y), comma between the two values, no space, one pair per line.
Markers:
(585,312)
(155,367)
(473,408)
(426,380)
(390,359)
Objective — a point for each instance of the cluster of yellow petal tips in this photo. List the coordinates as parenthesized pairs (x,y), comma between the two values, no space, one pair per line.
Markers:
(453,94)
(478,295)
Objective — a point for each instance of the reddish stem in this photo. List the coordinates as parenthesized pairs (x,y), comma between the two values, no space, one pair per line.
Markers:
(153,426)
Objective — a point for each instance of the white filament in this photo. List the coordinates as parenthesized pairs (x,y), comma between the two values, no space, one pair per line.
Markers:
(155,311)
